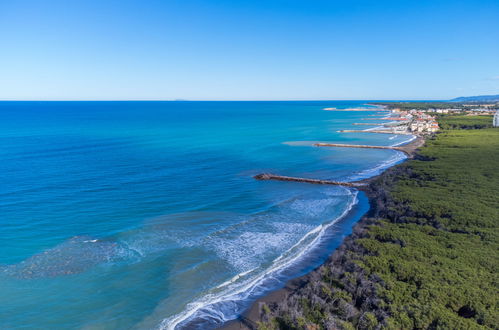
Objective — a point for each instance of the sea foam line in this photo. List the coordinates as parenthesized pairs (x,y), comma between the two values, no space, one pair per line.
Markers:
(370,172)
(398,157)
(412,138)
(236,277)
(247,287)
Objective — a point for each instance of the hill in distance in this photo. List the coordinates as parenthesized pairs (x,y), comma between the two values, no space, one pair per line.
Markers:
(479,98)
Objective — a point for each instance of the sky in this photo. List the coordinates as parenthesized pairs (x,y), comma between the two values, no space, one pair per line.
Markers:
(248,50)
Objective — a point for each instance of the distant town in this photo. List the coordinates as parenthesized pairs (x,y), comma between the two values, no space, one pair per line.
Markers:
(420,118)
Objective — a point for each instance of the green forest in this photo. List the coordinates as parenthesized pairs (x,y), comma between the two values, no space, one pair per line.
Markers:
(464,122)
(428,258)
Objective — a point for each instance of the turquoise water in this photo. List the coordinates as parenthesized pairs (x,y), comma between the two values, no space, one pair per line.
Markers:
(145,214)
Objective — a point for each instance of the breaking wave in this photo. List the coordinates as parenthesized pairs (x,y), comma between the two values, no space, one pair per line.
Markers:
(228,300)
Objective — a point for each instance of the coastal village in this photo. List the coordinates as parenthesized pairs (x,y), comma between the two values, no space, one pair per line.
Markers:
(423,122)
(404,122)
(414,121)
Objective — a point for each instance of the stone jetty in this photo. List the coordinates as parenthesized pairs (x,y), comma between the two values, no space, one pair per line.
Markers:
(339,145)
(270,176)
(374,131)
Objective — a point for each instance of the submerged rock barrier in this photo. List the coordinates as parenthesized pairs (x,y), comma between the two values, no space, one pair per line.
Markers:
(270,176)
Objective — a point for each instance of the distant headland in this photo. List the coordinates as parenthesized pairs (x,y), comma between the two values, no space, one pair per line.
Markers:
(479,98)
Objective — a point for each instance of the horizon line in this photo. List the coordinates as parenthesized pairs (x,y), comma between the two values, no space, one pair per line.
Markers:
(221,100)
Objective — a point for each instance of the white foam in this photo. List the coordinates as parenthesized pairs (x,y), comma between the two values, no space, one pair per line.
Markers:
(412,138)
(296,228)
(238,291)
(396,158)
(250,248)
(373,128)
(311,207)
(338,191)
(235,278)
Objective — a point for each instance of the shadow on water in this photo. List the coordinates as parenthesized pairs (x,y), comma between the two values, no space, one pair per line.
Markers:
(73,256)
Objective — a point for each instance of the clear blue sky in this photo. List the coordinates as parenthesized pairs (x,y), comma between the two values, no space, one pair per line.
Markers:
(248,50)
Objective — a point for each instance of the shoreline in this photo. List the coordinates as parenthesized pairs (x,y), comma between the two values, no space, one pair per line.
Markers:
(249,319)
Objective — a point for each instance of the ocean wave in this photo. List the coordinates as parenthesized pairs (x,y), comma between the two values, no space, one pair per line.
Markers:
(313,208)
(250,247)
(396,158)
(374,128)
(375,170)
(226,302)
(236,277)
(412,138)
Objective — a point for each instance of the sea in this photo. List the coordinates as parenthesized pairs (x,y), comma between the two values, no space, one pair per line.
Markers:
(146,215)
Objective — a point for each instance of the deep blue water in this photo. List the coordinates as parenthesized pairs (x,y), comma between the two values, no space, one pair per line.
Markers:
(146,215)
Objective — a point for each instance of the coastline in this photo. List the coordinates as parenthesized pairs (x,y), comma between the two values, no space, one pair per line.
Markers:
(252,316)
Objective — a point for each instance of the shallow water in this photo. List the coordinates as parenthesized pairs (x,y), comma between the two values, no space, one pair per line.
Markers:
(145,214)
